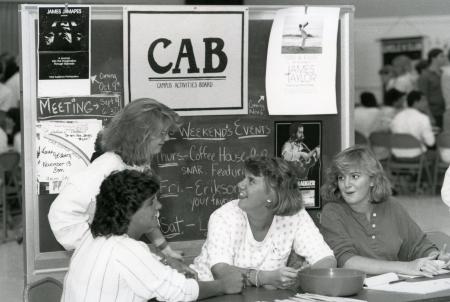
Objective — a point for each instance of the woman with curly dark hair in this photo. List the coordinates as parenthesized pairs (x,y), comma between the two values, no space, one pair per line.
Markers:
(109,265)
(366,229)
(129,141)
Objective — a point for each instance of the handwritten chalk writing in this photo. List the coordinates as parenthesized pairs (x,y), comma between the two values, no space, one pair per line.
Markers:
(227,171)
(212,188)
(197,153)
(192,170)
(245,130)
(169,190)
(106,83)
(211,132)
(78,106)
(171,229)
(207,201)
(169,157)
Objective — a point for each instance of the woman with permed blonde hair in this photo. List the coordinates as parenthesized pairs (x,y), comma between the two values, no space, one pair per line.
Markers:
(255,233)
(366,229)
(129,141)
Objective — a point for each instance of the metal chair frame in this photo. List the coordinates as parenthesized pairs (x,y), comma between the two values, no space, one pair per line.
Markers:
(440,165)
(406,166)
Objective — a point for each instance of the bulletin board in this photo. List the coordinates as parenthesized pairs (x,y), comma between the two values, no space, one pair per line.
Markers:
(197,174)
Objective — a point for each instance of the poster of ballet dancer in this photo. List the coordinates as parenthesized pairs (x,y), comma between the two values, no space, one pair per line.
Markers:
(301,61)
(299,142)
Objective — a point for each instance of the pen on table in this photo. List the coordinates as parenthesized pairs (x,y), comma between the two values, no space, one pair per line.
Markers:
(397,281)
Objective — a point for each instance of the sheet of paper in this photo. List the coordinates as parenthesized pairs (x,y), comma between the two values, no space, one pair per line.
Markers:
(420,287)
(307,297)
(301,61)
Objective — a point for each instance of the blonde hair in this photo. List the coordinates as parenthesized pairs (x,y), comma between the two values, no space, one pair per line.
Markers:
(130,131)
(363,158)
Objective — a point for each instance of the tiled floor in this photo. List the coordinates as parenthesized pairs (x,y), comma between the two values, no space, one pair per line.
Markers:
(429,212)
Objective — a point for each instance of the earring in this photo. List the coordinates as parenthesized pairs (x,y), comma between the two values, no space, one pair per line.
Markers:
(269,201)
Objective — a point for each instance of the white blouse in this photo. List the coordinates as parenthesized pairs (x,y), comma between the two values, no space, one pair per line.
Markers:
(230,240)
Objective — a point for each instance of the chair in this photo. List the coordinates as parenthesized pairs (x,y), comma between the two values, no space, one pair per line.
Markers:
(9,185)
(379,143)
(401,168)
(47,289)
(361,139)
(442,160)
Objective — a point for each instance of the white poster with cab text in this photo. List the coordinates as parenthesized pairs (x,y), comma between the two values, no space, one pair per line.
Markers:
(193,59)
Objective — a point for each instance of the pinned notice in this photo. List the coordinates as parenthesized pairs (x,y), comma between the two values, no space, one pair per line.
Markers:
(301,62)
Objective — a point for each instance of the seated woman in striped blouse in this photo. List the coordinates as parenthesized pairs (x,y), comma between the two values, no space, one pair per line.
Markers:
(109,265)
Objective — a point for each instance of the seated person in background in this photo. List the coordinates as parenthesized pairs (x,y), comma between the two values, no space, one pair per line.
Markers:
(366,114)
(393,103)
(109,265)
(365,228)
(413,121)
(255,234)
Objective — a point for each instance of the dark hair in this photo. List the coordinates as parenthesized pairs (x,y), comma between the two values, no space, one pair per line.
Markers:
(413,97)
(433,53)
(293,128)
(421,65)
(98,148)
(10,66)
(368,99)
(130,131)
(392,96)
(281,176)
(121,195)
(363,158)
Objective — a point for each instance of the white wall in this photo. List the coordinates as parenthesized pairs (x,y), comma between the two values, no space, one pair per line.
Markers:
(368,32)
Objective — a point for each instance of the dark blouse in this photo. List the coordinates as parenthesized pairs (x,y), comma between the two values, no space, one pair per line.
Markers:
(391,234)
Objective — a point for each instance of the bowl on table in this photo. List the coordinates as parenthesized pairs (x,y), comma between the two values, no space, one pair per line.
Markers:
(331,281)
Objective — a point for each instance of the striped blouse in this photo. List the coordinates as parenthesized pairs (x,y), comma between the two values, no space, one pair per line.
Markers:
(120,268)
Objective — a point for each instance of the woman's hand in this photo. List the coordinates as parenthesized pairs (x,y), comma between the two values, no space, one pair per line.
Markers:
(283,278)
(172,253)
(426,266)
(181,268)
(233,282)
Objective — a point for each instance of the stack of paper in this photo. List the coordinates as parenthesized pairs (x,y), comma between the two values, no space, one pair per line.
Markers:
(318,298)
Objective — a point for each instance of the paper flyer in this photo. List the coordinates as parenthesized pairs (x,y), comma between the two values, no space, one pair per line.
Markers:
(64,148)
(193,59)
(301,61)
(64,50)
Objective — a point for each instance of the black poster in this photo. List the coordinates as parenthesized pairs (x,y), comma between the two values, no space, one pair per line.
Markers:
(64,42)
(300,142)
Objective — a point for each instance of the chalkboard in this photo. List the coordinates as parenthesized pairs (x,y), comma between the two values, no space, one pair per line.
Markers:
(201,166)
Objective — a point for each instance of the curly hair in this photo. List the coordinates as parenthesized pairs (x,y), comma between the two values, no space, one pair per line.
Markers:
(121,195)
(130,131)
(281,176)
(362,158)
